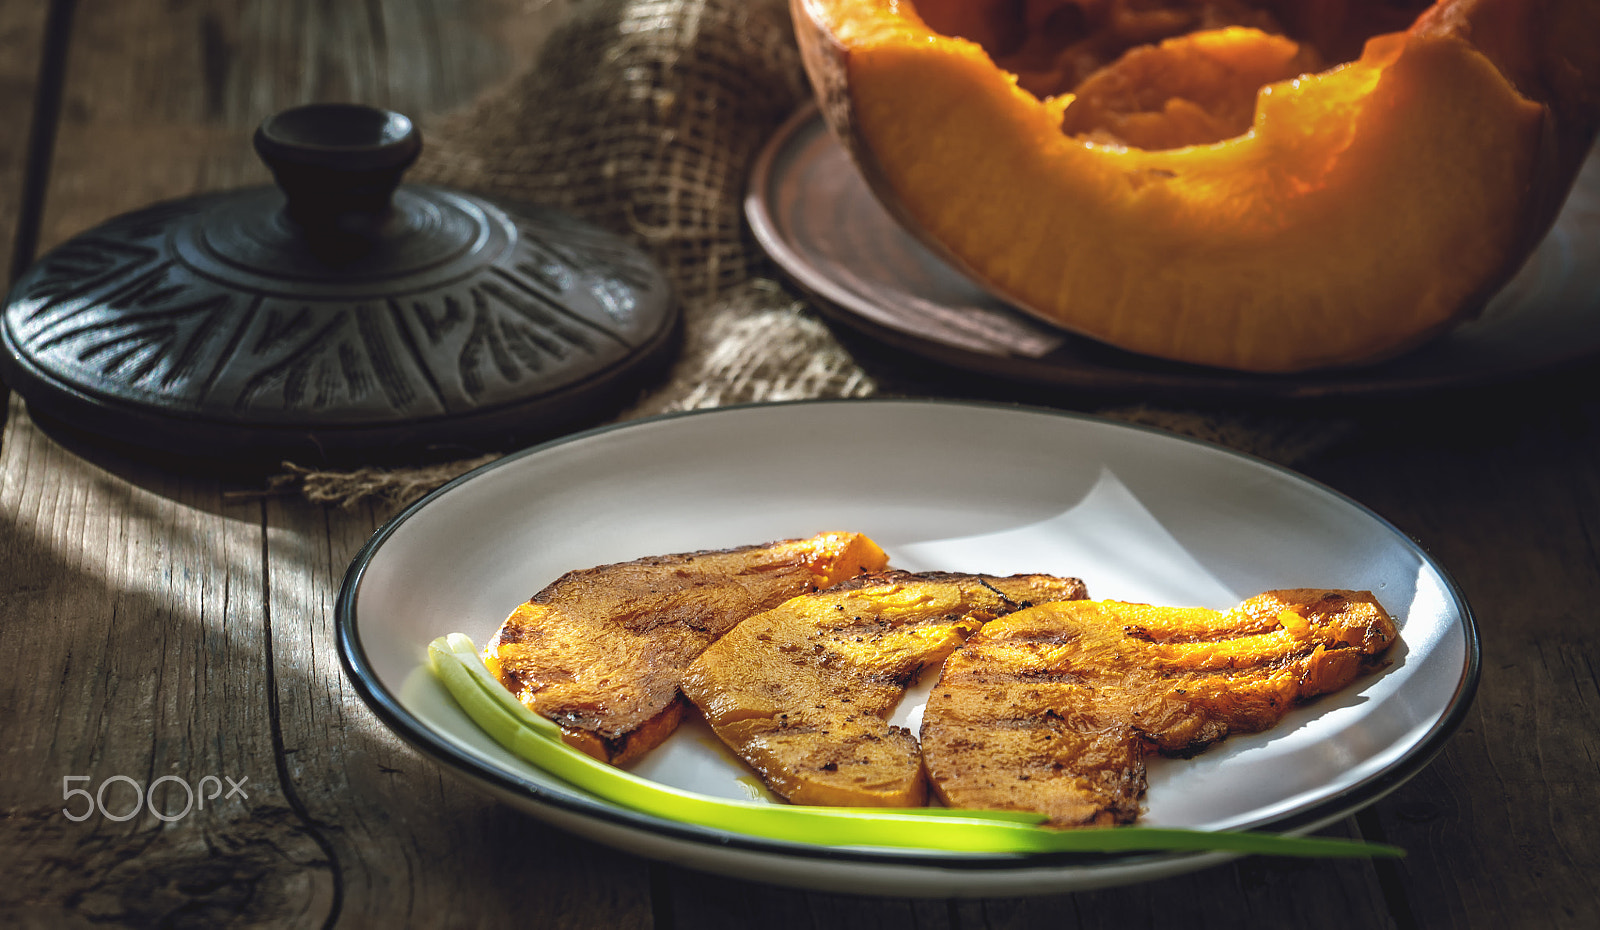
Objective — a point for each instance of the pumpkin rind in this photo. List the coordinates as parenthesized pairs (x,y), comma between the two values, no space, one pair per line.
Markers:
(1368,207)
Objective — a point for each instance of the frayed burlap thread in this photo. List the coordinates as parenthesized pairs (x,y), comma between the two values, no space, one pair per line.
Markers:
(388,488)
(760,343)
(644,117)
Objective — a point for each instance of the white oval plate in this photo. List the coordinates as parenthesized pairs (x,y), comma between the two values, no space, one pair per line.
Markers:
(1138,514)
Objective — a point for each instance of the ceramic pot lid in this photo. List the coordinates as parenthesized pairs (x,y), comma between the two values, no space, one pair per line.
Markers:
(337,316)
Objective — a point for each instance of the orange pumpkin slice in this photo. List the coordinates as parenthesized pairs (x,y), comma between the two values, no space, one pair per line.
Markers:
(1243,196)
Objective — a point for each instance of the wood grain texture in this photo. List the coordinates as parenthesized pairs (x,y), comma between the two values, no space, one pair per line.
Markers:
(158,628)
(689,899)
(162,98)
(134,621)
(1502,489)
(407,833)
(1252,892)
(155,625)
(22,43)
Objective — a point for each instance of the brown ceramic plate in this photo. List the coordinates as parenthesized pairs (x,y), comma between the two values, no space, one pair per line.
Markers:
(816,217)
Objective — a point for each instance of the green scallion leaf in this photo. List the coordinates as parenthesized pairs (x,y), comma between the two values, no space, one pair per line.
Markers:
(456,662)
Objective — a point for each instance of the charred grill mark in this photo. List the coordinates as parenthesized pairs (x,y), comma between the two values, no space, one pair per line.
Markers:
(899,680)
(573,720)
(1040,636)
(1043,673)
(517,683)
(1217,634)
(1183,637)
(602,650)
(1099,685)
(870,580)
(1008,602)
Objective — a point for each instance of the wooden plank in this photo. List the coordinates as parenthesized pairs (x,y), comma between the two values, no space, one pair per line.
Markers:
(121,596)
(1253,892)
(409,834)
(137,651)
(156,627)
(162,102)
(707,902)
(22,40)
(143,608)
(24,28)
(1502,490)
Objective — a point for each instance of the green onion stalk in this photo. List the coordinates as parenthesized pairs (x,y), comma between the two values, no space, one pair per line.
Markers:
(456,662)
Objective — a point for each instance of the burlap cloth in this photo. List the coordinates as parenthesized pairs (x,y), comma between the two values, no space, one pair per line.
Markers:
(644,116)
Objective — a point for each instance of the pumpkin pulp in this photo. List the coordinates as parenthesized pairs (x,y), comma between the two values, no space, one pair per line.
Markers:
(1230,196)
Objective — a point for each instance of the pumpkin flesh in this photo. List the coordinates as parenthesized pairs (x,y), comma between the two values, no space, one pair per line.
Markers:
(601,651)
(1361,209)
(1055,708)
(803,692)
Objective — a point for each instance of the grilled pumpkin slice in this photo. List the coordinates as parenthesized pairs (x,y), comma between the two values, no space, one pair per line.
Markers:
(1053,709)
(601,651)
(802,692)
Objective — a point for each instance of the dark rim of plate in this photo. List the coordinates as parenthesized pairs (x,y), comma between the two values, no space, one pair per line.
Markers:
(421,736)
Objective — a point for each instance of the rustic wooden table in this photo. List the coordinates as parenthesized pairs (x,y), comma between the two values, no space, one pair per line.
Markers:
(153,624)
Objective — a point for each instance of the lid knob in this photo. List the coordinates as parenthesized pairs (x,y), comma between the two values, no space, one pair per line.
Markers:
(340,316)
(338,165)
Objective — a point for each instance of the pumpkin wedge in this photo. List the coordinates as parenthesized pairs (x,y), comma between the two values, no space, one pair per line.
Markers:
(802,692)
(1256,185)
(1054,708)
(601,651)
